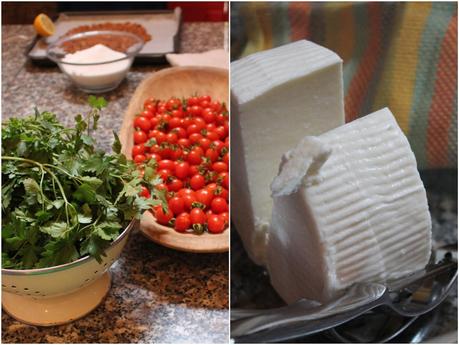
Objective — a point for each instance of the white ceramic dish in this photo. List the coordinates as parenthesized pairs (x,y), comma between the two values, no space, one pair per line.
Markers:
(60,294)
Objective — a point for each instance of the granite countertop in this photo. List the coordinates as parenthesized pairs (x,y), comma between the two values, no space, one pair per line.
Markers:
(158,295)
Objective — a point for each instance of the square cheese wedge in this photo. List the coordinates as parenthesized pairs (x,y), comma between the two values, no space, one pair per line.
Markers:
(349,206)
(277,97)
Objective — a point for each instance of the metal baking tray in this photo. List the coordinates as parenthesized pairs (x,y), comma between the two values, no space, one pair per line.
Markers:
(163,25)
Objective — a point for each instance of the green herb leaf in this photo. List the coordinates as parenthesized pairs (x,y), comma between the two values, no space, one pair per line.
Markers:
(97,102)
(56,229)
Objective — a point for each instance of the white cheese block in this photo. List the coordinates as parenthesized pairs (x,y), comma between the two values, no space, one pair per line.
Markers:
(349,206)
(277,97)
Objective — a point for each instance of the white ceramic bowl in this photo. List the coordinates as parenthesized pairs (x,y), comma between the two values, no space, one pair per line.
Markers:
(60,294)
(95,77)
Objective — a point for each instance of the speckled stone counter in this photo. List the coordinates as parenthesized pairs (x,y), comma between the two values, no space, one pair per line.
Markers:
(250,286)
(158,295)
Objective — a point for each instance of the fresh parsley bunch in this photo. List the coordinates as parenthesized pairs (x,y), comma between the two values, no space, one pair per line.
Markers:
(62,198)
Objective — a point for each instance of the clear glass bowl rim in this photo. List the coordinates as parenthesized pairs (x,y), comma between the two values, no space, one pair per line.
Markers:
(137,47)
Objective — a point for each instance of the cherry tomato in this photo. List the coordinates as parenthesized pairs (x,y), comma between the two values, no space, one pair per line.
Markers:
(138,150)
(193,101)
(193,128)
(197,216)
(194,169)
(204,143)
(185,143)
(212,154)
(182,222)
(222,192)
(171,138)
(216,106)
(175,185)
(205,98)
(220,167)
(200,122)
(176,154)
(225,216)
(187,121)
(166,164)
(148,114)
(221,131)
(215,224)
(145,192)
(208,115)
(197,181)
(140,137)
(161,109)
(175,122)
(212,187)
(139,159)
(151,107)
(181,133)
(189,199)
(177,112)
(212,135)
(182,170)
(176,205)
(164,174)
(221,119)
(165,152)
(210,127)
(204,196)
(217,145)
(195,137)
(194,157)
(156,157)
(155,149)
(152,133)
(161,186)
(224,179)
(149,101)
(219,205)
(154,121)
(185,191)
(161,216)
(143,123)
(160,137)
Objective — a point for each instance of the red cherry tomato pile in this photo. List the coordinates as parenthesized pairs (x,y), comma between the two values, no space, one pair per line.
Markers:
(188,139)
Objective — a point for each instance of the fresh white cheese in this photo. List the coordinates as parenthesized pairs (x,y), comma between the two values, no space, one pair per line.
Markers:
(349,206)
(277,97)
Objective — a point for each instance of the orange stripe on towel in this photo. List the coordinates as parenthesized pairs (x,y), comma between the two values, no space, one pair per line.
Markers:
(298,13)
(442,107)
(361,80)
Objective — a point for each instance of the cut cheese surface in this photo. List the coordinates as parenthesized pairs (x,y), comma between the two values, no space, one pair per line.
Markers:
(349,206)
(277,97)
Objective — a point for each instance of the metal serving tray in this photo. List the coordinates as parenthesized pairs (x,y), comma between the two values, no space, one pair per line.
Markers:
(163,26)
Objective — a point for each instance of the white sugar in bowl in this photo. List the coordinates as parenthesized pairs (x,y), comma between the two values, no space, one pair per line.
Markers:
(96,61)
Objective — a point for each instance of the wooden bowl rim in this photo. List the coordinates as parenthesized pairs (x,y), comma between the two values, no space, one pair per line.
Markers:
(154,230)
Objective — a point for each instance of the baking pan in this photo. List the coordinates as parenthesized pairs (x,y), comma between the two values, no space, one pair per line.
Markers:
(163,26)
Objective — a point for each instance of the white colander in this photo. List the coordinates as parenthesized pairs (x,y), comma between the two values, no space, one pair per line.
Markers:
(59,294)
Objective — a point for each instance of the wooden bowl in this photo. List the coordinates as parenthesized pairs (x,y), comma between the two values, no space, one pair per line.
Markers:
(178,82)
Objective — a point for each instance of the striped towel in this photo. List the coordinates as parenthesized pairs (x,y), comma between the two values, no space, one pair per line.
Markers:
(399,55)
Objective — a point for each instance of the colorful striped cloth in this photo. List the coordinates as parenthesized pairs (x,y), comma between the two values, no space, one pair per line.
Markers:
(400,55)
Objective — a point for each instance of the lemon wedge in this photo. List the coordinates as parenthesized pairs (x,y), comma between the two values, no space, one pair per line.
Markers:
(43,25)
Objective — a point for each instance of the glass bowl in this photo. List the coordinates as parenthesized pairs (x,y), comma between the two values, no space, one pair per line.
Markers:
(95,73)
